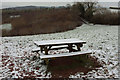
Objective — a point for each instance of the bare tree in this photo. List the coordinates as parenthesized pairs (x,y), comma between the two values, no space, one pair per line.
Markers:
(85,9)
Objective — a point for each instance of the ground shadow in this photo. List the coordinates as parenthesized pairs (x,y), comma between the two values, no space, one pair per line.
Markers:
(64,67)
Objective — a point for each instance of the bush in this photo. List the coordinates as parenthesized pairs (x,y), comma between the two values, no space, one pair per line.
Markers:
(106,17)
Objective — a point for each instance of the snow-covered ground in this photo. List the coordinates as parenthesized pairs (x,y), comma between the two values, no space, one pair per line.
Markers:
(6,27)
(17,55)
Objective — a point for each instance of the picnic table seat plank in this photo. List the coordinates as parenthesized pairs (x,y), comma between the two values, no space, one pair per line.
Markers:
(36,49)
(65,54)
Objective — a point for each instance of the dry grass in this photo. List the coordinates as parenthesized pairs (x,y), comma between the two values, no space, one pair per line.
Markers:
(41,21)
(45,21)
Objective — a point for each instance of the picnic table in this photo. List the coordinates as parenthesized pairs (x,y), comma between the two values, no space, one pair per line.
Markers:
(69,44)
(47,45)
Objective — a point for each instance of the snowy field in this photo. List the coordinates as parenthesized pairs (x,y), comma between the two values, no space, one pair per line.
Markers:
(17,56)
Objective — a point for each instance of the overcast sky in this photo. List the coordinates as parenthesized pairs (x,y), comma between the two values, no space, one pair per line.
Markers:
(6,4)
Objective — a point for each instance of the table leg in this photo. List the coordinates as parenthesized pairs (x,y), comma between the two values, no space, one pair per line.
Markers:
(46,61)
(41,48)
(78,46)
(70,47)
(46,50)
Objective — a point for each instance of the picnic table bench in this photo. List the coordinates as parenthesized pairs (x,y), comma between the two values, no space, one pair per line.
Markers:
(69,44)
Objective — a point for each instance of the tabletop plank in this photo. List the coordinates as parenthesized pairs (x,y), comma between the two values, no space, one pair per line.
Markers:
(58,42)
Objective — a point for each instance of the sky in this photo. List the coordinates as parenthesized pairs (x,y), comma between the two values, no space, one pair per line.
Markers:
(16,3)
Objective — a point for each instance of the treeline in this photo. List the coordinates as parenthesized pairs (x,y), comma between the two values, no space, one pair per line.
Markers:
(96,14)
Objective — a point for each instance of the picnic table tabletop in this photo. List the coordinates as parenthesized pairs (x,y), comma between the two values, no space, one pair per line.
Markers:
(60,41)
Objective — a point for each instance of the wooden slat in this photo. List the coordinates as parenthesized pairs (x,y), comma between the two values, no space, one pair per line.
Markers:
(65,54)
(59,46)
(59,42)
(36,49)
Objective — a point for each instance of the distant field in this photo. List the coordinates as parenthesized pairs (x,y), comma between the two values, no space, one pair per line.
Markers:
(39,21)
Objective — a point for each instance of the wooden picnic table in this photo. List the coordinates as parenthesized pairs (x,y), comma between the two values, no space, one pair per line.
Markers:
(47,45)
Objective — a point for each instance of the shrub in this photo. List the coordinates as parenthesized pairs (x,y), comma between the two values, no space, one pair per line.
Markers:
(107,17)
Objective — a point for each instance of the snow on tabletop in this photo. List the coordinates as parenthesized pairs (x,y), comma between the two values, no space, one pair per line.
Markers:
(60,41)
(17,54)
